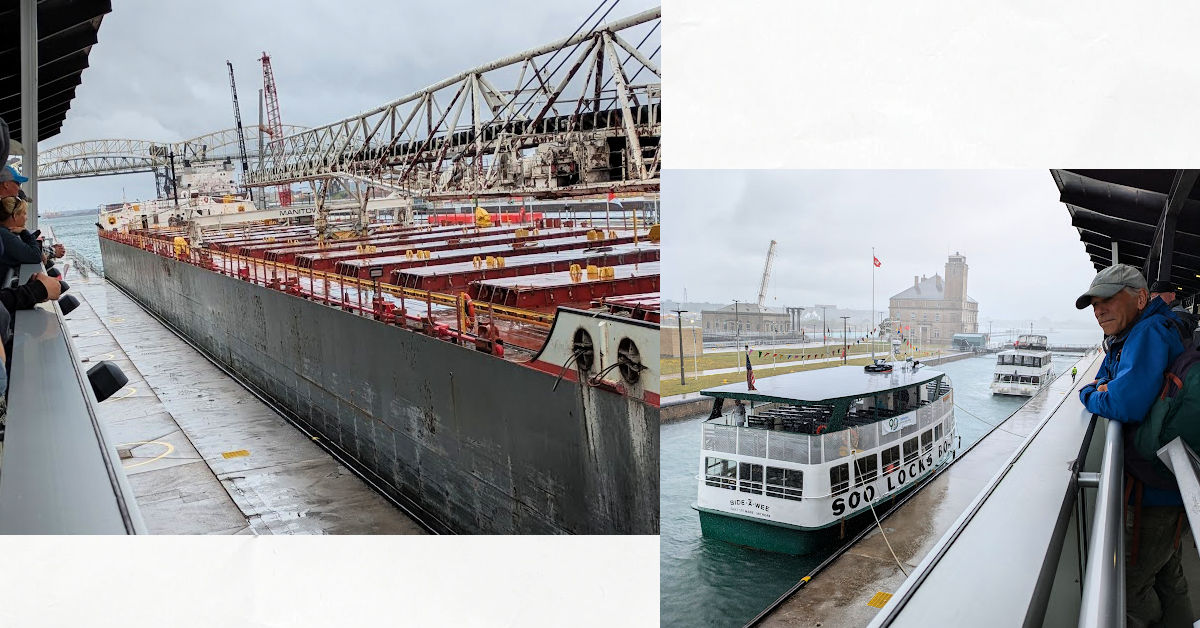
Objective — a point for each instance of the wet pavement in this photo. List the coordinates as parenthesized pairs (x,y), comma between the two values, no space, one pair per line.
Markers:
(204,455)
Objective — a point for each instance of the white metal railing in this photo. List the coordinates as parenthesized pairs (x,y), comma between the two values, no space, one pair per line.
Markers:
(1103,601)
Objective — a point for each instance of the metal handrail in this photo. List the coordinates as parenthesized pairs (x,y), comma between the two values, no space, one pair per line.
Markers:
(1103,601)
(504,312)
(1185,464)
(60,474)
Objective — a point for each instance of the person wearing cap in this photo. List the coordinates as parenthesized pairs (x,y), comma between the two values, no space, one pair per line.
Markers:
(1142,341)
(1187,322)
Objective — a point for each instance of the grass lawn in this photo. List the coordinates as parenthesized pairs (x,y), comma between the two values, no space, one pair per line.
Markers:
(709,361)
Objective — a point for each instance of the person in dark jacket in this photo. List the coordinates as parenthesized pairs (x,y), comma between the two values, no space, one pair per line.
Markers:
(1187,321)
(1142,339)
(20,247)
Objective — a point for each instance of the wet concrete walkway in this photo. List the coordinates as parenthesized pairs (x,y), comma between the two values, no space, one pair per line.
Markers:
(205,455)
(852,588)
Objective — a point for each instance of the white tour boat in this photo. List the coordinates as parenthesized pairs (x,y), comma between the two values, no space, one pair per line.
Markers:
(1024,369)
(816,448)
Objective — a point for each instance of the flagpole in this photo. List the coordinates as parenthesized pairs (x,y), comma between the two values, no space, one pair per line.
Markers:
(872,318)
(607,219)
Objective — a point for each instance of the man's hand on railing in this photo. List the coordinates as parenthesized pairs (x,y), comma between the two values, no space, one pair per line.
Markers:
(53,286)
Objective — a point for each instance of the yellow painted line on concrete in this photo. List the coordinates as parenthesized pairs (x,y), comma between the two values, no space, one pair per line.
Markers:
(130,393)
(879,600)
(236,454)
(169,448)
(116,319)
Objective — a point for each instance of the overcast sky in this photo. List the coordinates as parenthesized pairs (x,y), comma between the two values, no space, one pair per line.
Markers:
(1024,259)
(159,70)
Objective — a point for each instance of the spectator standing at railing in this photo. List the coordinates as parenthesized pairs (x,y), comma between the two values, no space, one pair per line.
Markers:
(1141,340)
(20,246)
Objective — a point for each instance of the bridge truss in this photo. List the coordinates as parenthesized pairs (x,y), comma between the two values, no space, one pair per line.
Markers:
(577,121)
(583,118)
(93,158)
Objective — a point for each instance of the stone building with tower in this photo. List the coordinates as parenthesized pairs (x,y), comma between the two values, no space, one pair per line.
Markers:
(935,308)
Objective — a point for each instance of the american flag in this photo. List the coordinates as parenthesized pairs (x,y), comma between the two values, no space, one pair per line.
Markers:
(749,371)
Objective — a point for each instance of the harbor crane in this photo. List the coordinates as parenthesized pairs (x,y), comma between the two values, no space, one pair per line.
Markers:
(274,123)
(762,290)
(237,118)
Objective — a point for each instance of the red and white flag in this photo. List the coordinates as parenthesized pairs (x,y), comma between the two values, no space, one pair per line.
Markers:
(877,262)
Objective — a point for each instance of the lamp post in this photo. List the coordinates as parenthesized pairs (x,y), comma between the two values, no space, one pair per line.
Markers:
(845,344)
(679,326)
(737,331)
(824,327)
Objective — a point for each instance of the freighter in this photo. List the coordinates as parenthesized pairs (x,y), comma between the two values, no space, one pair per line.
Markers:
(466,309)
(487,417)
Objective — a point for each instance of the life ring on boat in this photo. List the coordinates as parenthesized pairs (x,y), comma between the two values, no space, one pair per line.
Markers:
(821,429)
(112,220)
(468,308)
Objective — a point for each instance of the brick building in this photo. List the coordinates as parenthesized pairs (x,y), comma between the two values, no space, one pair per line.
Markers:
(935,308)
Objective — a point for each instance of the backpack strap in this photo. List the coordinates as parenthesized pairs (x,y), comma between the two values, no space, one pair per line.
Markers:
(1171,385)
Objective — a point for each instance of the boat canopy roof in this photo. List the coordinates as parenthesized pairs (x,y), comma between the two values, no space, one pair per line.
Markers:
(825,385)
(1026,351)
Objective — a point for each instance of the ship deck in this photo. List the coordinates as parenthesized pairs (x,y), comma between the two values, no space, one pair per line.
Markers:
(202,454)
(514,302)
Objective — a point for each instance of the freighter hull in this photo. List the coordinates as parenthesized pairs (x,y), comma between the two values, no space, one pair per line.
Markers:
(481,444)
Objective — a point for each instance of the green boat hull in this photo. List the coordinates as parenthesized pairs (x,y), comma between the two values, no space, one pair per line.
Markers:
(766,536)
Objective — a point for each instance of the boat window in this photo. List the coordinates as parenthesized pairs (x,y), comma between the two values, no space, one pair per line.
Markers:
(866,469)
(750,478)
(1035,379)
(720,473)
(927,441)
(910,450)
(785,483)
(839,478)
(937,432)
(891,459)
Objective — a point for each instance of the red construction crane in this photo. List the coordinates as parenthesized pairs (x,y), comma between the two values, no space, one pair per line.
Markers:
(274,123)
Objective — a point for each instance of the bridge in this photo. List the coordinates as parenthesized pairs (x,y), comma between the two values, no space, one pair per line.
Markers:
(94,158)
(582,118)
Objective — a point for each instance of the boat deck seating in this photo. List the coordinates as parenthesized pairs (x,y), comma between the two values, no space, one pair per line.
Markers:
(808,419)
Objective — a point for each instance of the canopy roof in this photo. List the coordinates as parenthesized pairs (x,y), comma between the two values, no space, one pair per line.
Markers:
(825,385)
(67,30)
(1128,206)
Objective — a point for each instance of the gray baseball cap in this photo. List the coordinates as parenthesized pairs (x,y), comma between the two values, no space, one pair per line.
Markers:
(1110,281)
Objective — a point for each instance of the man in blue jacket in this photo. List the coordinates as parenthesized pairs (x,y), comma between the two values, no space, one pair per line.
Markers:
(1141,340)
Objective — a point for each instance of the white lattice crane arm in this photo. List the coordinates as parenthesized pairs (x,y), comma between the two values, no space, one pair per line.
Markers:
(766,278)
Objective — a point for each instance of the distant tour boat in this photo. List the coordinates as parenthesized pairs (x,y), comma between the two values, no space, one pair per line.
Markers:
(1024,369)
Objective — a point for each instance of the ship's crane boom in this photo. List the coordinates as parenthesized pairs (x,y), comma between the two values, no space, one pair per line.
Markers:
(237,118)
(762,289)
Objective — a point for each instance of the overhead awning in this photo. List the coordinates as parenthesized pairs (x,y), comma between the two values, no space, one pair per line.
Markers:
(1127,207)
(67,31)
